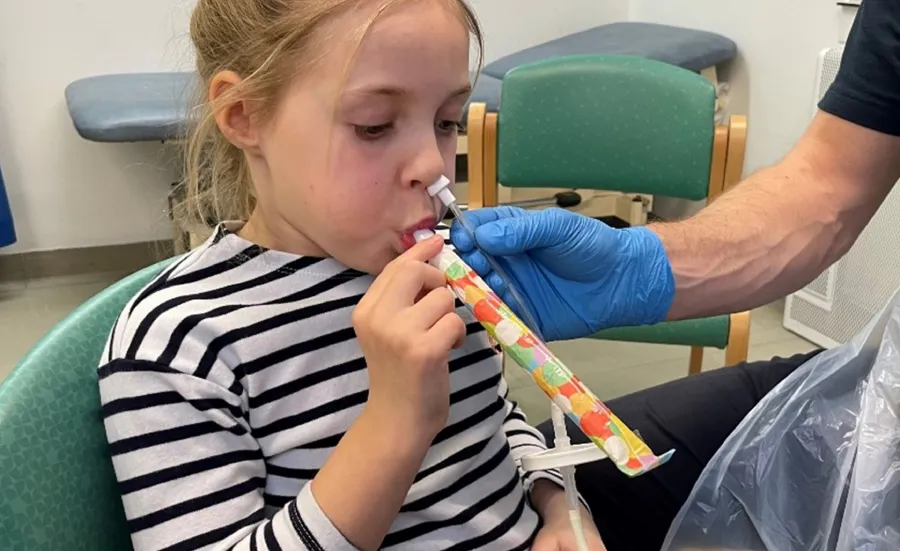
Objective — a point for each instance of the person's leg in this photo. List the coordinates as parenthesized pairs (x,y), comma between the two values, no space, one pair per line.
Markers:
(694,416)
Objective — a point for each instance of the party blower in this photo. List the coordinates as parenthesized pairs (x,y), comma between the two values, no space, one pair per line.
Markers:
(570,397)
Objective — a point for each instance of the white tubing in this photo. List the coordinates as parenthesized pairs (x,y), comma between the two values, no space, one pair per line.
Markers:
(580,540)
(562,442)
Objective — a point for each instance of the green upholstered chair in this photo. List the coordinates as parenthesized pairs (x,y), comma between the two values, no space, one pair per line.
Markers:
(57,486)
(613,123)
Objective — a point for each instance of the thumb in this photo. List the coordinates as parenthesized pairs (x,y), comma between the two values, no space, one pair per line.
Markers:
(509,236)
(424,250)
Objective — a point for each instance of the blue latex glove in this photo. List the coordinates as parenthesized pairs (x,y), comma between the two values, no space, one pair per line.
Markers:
(576,274)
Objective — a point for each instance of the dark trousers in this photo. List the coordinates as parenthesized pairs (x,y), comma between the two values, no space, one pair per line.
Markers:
(694,416)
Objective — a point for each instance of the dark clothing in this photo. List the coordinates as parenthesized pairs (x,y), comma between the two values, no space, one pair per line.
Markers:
(693,416)
(867,88)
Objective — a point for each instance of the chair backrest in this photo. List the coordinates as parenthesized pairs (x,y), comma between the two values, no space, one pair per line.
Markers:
(57,486)
(612,123)
(606,122)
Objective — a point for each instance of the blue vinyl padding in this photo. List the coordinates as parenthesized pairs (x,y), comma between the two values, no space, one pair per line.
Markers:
(154,106)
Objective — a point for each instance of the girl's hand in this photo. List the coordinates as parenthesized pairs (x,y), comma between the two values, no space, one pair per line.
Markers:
(557,533)
(406,325)
(559,536)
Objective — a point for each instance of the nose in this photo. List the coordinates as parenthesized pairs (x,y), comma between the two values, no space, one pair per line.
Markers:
(426,164)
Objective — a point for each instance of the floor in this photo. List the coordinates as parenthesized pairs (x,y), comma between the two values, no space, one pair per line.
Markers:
(30,308)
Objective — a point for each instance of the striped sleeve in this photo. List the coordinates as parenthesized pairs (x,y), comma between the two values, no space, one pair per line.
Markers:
(190,473)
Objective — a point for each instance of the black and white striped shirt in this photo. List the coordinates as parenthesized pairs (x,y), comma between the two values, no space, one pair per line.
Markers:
(229,379)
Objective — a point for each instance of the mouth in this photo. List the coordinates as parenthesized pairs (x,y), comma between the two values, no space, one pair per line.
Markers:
(406,237)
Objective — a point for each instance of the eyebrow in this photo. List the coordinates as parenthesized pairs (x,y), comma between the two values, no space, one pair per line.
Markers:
(462,91)
(391,91)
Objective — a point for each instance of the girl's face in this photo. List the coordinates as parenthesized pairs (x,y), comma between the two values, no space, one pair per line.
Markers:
(341,169)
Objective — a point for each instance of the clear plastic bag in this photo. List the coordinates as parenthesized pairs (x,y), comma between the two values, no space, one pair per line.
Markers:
(816,465)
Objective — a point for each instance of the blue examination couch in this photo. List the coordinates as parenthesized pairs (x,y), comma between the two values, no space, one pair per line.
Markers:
(7,229)
(153,106)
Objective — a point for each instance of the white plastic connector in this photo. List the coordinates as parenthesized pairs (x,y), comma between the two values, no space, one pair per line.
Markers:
(555,458)
(441,190)
(422,235)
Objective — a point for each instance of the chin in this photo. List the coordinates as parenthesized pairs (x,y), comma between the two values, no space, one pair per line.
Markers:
(378,265)
(372,264)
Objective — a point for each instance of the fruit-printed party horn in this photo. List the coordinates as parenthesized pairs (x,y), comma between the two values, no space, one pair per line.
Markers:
(620,443)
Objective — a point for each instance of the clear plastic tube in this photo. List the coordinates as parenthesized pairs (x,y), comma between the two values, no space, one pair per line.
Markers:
(517,299)
(557,415)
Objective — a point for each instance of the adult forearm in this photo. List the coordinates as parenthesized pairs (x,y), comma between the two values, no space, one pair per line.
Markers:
(764,239)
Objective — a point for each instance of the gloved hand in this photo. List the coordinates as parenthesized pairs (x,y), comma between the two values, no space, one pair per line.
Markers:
(576,274)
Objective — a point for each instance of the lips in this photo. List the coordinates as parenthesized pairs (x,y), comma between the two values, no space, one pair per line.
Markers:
(407,239)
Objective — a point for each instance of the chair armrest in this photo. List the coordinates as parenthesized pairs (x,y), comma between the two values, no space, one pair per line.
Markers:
(704,332)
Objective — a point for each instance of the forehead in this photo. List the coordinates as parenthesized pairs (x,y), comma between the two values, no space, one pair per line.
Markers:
(425,42)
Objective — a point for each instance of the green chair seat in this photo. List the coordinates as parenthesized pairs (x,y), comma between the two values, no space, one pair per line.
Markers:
(706,332)
(58,490)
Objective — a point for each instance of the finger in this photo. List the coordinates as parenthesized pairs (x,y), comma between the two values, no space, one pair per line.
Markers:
(423,250)
(509,236)
(406,280)
(448,330)
(461,239)
(412,282)
(497,284)
(433,306)
(459,344)
(478,262)
(461,236)
(478,217)
(420,252)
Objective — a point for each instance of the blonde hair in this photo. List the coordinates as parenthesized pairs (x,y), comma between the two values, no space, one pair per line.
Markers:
(264,42)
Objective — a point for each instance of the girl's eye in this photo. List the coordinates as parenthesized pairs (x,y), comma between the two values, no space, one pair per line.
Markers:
(372,132)
(450,127)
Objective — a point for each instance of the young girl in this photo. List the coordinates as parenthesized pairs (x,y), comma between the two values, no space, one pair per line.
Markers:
(304,380)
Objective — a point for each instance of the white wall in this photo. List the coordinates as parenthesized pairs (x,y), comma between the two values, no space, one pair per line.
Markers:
(511,25)
(65,191)
(68,192)
(773,79)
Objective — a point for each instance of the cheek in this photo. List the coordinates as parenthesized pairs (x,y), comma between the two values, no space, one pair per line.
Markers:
(358,203)
(353,195)
(361,179)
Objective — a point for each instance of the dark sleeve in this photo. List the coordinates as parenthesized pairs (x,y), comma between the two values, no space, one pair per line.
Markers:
(867,88)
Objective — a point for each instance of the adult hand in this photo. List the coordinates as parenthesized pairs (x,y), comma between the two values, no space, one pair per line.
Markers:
(576,274)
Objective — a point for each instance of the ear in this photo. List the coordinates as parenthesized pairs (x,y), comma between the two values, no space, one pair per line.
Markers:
(234,119)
